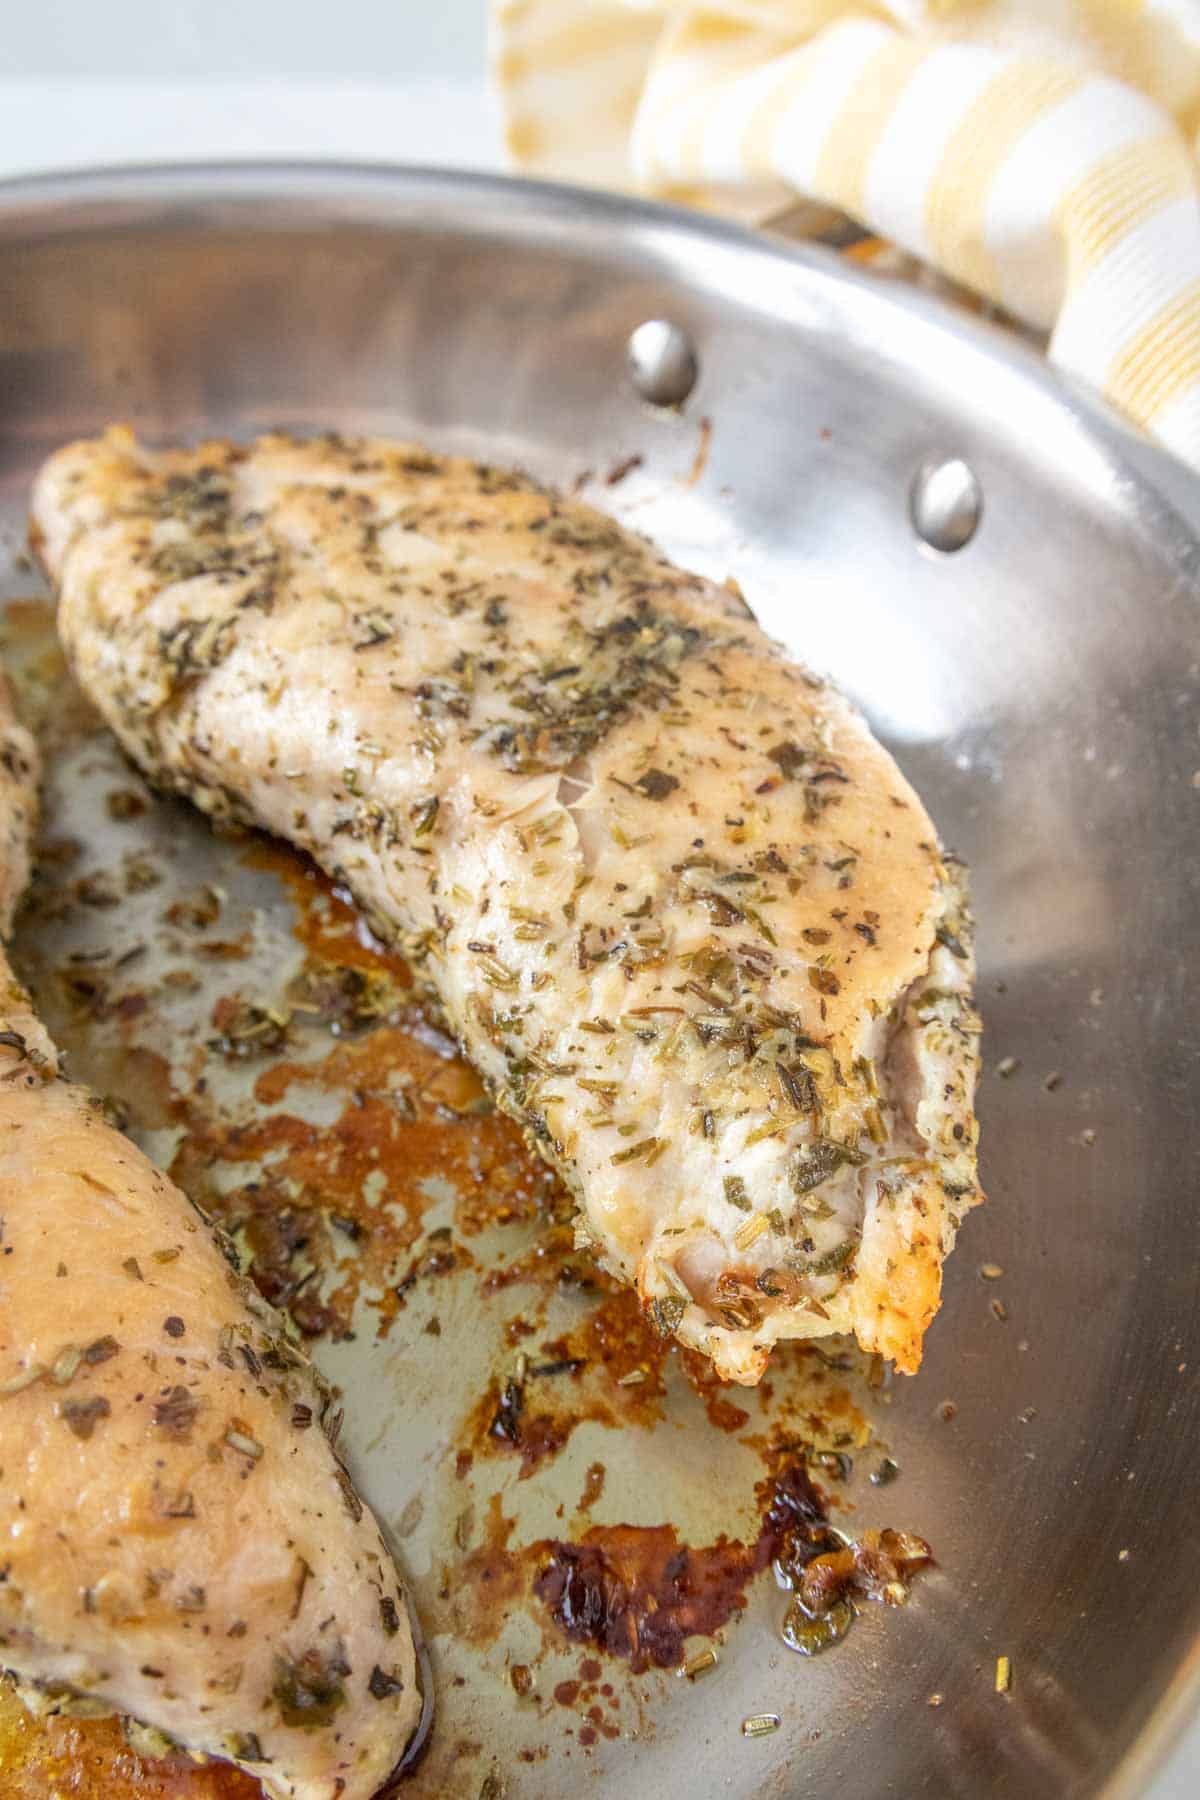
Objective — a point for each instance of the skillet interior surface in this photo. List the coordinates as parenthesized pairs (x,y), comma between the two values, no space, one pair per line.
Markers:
(1038,686)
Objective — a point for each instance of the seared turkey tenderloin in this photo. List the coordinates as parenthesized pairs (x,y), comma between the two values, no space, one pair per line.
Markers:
(683,911)
(178,1540)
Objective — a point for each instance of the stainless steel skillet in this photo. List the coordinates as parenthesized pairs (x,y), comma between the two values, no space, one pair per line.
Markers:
(1039,685)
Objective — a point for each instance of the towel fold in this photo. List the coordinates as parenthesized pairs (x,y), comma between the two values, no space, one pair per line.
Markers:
(1041,152)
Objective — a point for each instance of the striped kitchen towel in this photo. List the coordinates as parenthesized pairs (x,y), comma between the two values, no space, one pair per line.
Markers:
(1042,152)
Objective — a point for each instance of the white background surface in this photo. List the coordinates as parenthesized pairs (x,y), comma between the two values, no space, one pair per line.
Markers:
(101,81)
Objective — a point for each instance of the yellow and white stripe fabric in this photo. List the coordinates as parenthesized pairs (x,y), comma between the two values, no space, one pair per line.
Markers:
(1043,152)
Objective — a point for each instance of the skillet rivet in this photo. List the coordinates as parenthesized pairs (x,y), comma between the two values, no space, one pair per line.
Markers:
(945,503)
(662,362)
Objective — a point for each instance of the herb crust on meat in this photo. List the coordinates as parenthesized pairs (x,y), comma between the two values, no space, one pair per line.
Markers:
(682,910)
